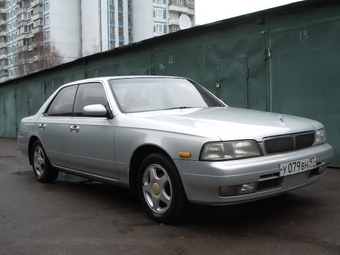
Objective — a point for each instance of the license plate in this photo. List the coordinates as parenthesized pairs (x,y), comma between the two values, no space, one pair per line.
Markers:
(297,166)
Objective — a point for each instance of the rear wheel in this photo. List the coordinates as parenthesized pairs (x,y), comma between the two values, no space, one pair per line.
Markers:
(160,189)
(42,168)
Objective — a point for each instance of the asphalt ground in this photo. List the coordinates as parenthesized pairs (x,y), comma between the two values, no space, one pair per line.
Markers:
(69,217)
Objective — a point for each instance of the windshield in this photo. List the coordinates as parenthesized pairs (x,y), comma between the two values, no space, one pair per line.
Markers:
(152,94)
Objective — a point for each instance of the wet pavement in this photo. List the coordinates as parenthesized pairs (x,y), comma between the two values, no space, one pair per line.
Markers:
(72,216)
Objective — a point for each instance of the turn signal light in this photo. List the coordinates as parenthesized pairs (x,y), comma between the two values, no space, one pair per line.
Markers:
(184,154)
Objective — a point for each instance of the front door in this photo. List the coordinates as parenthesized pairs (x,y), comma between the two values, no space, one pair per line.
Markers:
(91,139)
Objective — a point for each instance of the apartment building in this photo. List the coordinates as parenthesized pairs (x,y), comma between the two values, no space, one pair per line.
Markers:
(82,27)
(158,17)
(107,24)
(24,22)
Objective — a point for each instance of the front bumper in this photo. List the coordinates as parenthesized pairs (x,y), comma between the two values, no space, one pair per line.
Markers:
(202,180)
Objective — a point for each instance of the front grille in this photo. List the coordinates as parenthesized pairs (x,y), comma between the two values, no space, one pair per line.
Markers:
(290,142)
(304,141)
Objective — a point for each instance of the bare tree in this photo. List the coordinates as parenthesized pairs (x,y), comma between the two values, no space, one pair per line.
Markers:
(95,48)
(38,55)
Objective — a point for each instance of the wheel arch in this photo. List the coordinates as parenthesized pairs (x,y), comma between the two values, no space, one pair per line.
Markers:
(32,140)
(137,157)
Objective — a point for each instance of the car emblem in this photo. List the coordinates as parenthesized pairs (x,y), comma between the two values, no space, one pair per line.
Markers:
(282,119)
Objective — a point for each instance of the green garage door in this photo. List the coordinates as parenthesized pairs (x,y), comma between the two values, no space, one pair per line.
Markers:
(305,79)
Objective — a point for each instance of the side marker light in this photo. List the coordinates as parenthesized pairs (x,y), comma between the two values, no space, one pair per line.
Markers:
(184,154)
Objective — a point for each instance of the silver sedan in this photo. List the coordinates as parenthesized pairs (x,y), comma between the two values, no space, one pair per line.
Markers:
(172,143)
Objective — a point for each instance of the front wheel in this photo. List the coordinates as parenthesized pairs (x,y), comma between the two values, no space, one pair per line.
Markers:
(42,168)
(160,189)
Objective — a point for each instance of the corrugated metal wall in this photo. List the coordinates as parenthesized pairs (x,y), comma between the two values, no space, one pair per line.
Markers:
(282,60)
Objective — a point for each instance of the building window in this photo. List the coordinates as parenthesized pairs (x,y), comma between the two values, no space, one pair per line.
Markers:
(46,6)
(112,44)
(173,15)
(174,28)
(179,2)
(159,28)
(47,34)
(112,30)
(112,16)
(47,20)
(158,13)
(130,20)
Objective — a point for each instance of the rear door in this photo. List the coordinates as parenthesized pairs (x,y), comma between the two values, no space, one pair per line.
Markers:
(53,126)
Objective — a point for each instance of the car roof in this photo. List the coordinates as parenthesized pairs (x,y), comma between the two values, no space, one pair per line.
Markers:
(106,78)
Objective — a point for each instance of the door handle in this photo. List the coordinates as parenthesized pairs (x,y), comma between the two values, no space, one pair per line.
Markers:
(74,128)
(42,126)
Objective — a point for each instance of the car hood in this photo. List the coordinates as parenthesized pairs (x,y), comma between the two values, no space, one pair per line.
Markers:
(227,123)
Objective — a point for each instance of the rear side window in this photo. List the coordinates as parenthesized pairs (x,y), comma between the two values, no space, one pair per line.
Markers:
(62,104)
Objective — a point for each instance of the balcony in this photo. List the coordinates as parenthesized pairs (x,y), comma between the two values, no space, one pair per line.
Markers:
(35,3)
(22,36)
(36,58)
(34,32)
(37,16)
(173,22)
(25,3)
(4,66)
(37,30)
(3,78)
(23,48)
(2,23)
(3,56)
(191,4)
(21,23)
(22,10)
(2,10)
(181,9)
(3,45)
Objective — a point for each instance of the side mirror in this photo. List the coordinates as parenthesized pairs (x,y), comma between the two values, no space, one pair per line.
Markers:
(95,110)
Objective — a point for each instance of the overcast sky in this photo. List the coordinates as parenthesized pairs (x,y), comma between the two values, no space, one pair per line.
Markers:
(207,11)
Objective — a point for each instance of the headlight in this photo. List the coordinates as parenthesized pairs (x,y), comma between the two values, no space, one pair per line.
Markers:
(320,137)
(230,150)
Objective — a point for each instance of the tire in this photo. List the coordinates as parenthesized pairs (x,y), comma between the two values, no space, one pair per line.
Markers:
(42,168)
(160,189)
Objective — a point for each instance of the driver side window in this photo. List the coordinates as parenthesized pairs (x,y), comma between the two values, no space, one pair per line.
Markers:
(87,94)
